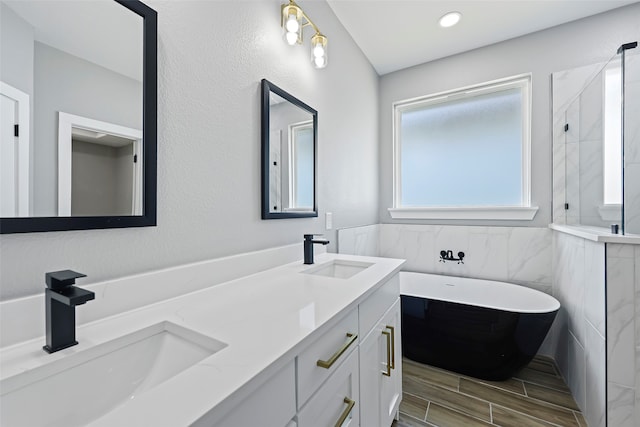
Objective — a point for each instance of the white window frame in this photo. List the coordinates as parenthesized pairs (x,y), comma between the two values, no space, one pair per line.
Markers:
(524,211)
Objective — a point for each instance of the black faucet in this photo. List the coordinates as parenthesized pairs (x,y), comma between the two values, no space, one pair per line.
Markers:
(61,298)
(308,246)
(448,256)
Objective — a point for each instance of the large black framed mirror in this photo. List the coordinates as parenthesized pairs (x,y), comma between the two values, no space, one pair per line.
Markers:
(82,92)
(289,162)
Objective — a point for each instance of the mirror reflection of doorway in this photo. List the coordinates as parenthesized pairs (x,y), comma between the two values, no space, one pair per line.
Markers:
(99,168)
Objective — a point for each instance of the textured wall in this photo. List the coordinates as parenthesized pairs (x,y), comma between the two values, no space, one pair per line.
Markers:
(211,58)
(587,41)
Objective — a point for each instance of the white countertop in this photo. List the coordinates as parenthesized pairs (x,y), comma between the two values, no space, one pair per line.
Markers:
(596,234)
(259,317)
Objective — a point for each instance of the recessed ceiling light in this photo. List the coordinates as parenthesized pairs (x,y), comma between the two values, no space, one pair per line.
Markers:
(450,19)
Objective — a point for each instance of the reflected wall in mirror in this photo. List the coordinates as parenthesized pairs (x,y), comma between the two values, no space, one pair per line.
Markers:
(78,97)
(289,135)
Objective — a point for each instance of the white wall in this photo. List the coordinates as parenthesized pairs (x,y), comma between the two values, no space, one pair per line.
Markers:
(211,58)
(587,41)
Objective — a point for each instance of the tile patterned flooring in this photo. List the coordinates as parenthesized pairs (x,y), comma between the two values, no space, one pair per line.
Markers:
(536,397)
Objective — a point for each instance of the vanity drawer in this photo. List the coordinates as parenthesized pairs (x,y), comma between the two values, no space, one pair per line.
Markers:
(333,347)
(339,398)
(374,307)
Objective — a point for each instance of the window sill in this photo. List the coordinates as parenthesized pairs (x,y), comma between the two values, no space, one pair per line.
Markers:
(511,213)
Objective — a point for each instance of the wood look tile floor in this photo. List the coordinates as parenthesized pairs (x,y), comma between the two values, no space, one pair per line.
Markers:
(537,396)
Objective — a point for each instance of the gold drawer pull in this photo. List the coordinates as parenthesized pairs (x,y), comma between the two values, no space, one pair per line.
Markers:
(393,346)
(350,404)
(388,371)
(328,363)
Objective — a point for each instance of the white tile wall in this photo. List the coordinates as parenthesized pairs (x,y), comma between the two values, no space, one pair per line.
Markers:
(620,406)
(595,381)
(623,333)
(359,240)
(579,283)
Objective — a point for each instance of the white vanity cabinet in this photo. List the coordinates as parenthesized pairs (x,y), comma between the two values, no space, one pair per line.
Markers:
(380,357)
(348,374)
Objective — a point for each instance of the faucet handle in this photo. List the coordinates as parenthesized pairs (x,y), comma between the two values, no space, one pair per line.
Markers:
(311,236)
(57,280)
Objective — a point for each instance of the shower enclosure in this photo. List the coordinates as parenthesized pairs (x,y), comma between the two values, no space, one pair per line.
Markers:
(596,143)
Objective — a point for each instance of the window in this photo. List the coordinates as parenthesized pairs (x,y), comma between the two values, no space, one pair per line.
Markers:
(464,154)
(613,135)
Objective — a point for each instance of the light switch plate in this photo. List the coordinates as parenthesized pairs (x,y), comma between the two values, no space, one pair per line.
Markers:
(328,220)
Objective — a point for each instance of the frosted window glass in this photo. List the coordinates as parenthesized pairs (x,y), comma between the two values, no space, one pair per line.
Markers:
(466,152)
(613,136)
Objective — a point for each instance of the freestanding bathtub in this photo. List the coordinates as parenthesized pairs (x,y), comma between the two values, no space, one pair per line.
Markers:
(481,328)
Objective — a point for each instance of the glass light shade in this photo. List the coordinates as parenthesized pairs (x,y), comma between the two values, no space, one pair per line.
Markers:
(291,38)
(319,51)
(292,25)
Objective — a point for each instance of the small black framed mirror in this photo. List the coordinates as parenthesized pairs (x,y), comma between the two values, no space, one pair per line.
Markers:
(289,160)
(89,97)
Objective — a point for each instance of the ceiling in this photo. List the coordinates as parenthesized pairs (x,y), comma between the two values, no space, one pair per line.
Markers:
(77,30)
(396,34)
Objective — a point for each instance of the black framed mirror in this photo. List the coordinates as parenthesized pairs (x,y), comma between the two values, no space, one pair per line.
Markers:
(89,158)
(289,162)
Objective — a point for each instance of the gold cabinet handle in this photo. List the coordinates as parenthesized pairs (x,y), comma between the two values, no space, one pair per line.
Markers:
(328,363)
(393,346)
(388,371)
(350,404)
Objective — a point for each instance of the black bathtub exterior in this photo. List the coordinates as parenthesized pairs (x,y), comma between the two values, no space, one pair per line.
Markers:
(480,342)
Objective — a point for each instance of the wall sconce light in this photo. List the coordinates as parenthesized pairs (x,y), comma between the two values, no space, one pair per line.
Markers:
(293,21)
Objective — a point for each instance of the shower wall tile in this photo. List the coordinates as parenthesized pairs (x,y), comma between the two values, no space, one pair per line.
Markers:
(632,198)
(621,402)
(621,320)
(572,183)
(591,111)
(359,240)
(632,124)
(576,379)
(594,289)
(569,278)
(591,183)
(580,347)
(559,182)
(595,382)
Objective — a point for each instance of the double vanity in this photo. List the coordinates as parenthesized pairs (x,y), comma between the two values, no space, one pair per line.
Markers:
(296,345)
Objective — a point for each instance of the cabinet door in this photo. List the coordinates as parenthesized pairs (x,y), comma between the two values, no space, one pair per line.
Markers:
(337,400)
(381,371)
(391,384)
(371,376)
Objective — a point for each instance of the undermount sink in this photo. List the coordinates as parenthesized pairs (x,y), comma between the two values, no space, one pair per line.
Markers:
(340,269)
(82,387)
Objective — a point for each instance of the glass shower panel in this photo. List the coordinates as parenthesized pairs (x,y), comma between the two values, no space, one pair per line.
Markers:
(631,138)
(593,155)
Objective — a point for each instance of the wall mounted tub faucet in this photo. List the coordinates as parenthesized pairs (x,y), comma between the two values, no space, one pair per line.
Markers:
(308,246)
(61,298)
(448,256)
